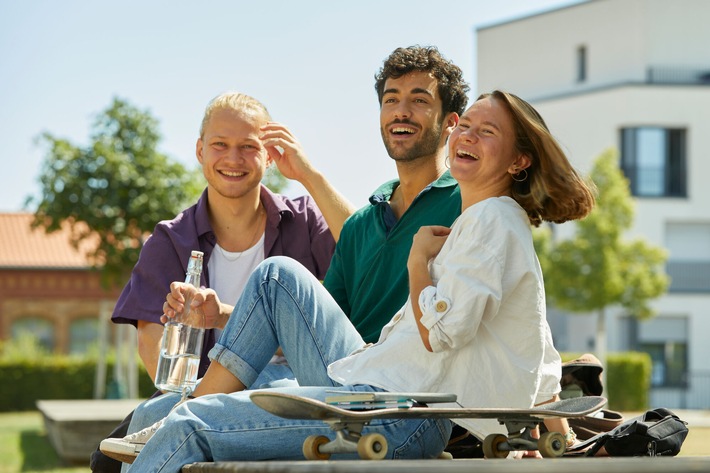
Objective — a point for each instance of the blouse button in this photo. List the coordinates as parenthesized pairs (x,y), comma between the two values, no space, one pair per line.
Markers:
(441,306)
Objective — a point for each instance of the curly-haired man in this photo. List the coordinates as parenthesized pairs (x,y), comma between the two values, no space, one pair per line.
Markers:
(421,96)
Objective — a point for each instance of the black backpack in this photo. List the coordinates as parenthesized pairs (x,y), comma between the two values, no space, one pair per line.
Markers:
(658,432)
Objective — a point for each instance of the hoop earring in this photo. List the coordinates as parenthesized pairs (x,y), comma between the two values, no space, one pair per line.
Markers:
(446,163)
(523,179)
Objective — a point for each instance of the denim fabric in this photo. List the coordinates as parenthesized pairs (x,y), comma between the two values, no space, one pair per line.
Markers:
(283,305)
(154,409)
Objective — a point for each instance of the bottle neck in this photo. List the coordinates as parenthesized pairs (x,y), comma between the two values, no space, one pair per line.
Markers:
(194,270)
(193,277)
(189,315)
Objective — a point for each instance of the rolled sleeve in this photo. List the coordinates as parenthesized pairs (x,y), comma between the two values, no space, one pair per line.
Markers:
(433,306)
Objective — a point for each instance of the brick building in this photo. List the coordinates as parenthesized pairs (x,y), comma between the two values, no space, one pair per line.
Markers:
(48,287)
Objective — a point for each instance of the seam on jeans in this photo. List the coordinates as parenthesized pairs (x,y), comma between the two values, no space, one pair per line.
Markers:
(413,439)
(296,303)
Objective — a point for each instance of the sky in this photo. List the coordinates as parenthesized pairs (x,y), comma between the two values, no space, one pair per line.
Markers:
(312,63)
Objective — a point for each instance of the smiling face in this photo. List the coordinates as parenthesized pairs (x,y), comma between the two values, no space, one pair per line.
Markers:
(482,150)
(411,121)
(232,156)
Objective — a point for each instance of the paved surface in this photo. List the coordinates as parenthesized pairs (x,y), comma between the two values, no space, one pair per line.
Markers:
(558,465)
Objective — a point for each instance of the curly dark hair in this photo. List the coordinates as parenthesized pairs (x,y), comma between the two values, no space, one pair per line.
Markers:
(449,76)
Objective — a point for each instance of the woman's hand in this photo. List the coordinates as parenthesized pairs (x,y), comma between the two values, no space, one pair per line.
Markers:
(427,243)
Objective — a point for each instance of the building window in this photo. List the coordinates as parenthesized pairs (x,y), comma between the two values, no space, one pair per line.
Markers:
(665,339)
(688,264)
(83,335)
(581,63)
(40,329)
(669,363)
(653,159)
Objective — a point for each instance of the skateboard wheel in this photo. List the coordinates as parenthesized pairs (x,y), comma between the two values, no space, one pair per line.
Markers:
(372,447)
(551,444)
(491,446)
(311,447)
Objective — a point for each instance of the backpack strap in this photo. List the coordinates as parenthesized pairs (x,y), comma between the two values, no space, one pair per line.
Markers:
(594,443)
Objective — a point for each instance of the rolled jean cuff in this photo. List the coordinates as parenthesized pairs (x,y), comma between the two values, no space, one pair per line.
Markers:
(234,364)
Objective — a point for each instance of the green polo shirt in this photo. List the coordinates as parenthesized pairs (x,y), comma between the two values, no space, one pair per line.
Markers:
(368,272)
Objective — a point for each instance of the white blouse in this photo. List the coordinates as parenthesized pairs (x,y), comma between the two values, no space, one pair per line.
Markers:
(486,318)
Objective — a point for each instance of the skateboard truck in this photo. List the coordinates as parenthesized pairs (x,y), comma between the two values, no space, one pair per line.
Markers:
(550,444)
(348,439)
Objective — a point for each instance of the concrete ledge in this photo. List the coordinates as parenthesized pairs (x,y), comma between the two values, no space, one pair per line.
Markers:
(76,427)
(559,465)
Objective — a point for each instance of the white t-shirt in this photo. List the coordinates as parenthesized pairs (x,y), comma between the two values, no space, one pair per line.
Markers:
(229,271)
(486,318)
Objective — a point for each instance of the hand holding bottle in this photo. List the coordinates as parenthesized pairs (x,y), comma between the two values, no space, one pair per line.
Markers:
(216,313)
(183,335)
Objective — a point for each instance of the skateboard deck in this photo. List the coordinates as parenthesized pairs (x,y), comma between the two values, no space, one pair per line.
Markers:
(348,424)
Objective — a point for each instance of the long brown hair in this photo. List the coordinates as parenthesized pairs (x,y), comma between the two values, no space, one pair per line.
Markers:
(553,190)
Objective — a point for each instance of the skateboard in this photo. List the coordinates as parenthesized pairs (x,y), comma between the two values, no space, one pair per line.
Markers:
(348,424)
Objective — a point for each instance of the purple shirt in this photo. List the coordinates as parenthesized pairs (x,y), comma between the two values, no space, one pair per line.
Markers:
(294,228)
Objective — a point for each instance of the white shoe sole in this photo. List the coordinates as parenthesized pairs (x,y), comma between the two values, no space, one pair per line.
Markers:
(120,450)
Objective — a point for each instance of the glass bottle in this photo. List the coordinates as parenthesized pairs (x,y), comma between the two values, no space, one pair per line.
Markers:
(181,346)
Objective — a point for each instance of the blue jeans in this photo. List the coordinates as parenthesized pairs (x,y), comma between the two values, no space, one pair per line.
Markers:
(282,305)
(152,410)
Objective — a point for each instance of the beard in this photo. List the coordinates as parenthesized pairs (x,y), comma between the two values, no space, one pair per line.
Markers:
(426,145)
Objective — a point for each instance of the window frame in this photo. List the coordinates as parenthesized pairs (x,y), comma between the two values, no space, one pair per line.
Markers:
(581,63)
(672,377)
(674,177)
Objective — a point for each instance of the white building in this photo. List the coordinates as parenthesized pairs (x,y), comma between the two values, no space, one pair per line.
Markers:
(633,75)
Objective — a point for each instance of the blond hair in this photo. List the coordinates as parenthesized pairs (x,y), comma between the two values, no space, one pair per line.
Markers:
(553,190)
(233,101)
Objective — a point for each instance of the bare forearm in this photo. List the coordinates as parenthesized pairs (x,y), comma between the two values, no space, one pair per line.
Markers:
(149,339)
(419,279)
(332,204)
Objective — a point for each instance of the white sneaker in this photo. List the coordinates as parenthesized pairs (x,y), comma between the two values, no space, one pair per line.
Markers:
(127,448)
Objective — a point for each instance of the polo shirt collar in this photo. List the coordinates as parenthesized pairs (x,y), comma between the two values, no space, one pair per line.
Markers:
(384,192)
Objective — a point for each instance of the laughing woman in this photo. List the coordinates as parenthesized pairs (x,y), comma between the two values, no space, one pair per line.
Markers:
(474,323)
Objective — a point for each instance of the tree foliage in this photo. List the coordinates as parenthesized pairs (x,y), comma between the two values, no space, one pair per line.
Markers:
(274,180)
(598,268)
(117,188)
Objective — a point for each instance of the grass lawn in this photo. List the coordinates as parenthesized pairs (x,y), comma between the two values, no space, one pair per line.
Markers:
(24,446)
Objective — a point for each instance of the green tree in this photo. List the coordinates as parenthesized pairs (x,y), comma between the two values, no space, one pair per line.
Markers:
(598,268)
(274,180)
(116,189)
